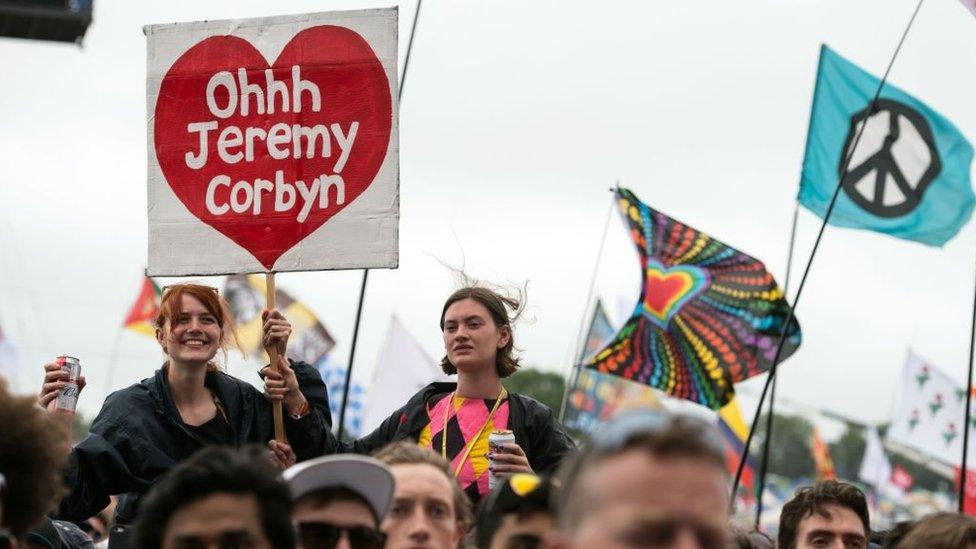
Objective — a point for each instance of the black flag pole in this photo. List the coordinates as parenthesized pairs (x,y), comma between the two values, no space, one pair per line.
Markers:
(580,343)
(806,271)
(362,285)
(772,394)
(969,402)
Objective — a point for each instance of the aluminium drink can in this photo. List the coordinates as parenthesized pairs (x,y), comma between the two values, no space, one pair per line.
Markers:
(68,397)
(495,439)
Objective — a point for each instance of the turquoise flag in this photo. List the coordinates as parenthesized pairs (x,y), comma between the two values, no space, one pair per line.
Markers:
(908,177)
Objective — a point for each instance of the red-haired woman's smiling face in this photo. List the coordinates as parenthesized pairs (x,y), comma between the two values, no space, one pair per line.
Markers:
(193,336)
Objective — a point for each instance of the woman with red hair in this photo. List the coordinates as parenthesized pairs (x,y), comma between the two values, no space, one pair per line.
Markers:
(146,429)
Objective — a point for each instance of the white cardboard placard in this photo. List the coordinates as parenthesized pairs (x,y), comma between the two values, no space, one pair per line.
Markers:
(273,144)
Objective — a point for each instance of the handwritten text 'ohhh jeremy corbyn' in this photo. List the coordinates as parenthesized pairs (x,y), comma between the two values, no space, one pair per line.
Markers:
(281,141)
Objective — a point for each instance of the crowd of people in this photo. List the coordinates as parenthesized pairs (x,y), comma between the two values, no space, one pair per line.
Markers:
(188,459)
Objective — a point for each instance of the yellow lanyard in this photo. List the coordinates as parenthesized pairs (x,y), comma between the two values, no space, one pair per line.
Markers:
(474,439)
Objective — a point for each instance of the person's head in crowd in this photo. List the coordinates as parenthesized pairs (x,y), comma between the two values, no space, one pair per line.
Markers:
(59,534)
(941,531)
(33,452)
(476,323)
(193,323)
(829,514)
(340,501)
(517,513)
(220,497)
(646,478)
(429,509)
(99,526)
(750,538)
(891,537)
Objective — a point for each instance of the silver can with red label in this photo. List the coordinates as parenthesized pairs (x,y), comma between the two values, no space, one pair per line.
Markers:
(495,440)
(68,397)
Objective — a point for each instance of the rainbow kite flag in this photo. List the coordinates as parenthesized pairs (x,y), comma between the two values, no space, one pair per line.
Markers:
(708,315)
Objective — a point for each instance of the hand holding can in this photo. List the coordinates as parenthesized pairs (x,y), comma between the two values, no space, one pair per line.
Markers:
(495,441)
(63,383)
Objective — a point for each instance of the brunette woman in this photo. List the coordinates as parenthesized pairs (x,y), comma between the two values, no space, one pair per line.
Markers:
(455,420)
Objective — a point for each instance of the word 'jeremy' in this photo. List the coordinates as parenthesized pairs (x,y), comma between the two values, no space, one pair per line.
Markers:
(228,95)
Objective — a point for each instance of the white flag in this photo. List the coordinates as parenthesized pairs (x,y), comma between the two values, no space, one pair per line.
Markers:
(403,368)
(8,360)
(931,413)
(875,469)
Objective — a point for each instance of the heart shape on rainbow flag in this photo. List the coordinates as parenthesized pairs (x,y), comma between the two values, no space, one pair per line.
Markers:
(670,288)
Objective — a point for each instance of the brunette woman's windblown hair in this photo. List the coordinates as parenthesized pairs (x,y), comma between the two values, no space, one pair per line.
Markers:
(505,308)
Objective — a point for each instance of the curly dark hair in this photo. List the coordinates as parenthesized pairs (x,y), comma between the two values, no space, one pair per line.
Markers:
(33,453)
(813,499)
(506,361)
(215,470)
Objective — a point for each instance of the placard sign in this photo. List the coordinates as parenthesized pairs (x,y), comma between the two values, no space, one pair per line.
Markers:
(273,144)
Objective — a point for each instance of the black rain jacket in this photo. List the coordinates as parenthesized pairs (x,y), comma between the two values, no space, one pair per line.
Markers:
(536,430)
(139,435)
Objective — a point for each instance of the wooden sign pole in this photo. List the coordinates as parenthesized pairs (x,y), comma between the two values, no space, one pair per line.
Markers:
(279,422)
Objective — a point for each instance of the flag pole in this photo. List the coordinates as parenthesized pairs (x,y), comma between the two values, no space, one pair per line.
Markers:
(362,285)
(772,395)
(578,350)
(112,359)
(969,402)
(272,350)
(813,253)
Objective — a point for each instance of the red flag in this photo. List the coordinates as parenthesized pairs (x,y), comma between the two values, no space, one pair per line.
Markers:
(821,457)
(143,312)
(902,478)
(969,494)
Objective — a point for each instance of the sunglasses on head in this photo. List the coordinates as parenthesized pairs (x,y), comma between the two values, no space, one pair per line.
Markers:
(325,535)
(622,429)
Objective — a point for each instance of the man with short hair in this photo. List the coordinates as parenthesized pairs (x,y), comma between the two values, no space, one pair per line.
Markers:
(829,514)
(646,478)
(340,501)
(219,497)
(429,509)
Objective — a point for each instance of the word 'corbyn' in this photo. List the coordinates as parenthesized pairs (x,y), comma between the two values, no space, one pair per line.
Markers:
(227,95)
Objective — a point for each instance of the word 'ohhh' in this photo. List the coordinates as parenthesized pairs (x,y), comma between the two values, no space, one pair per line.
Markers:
(280,141)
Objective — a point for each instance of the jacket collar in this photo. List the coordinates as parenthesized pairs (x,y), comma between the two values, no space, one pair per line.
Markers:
(415,417)
(237,404)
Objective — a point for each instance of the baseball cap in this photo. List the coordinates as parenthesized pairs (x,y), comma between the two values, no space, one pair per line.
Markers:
(364,475)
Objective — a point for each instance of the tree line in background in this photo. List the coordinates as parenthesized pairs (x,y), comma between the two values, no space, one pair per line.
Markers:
(791,456)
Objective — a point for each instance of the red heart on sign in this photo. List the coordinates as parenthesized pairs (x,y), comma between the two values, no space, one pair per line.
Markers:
(347,136)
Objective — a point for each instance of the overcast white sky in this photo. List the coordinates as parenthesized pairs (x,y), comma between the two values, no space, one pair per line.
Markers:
(516,118)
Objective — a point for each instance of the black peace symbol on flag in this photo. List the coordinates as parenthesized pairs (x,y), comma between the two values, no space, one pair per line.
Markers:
(895,160)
